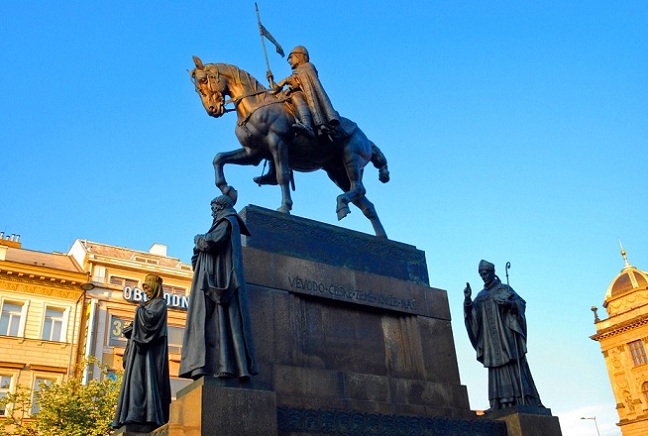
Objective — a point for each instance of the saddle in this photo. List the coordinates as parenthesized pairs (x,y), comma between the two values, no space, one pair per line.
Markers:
(339,133)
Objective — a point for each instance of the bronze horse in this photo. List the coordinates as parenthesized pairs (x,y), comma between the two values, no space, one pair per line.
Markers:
(264,129)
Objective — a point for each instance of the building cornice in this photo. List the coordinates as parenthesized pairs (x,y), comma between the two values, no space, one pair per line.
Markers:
(40,284)
(620,328)
(133,265)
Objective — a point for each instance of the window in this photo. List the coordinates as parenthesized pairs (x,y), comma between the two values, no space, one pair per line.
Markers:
(146,260)
(38,384)
(116,329)
(5,389)
(123,282)
(10,318)
(99,274)
(174,336)
(644,390)
(54,324)
(638,353)
(175,290)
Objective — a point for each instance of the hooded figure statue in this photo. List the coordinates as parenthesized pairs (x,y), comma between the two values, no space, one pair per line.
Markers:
(218,338)
(146,392)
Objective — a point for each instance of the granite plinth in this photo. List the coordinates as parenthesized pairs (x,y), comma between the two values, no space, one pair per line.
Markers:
(529,424)
(347,321)
(311,240)
(349,338)
(208,407)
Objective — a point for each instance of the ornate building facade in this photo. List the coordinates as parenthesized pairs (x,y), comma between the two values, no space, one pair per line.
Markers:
(41,305)
(57,309)
(623,338)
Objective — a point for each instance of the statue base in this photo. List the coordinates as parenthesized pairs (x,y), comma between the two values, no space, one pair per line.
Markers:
(135,430)
(213,406)
(349,336)
(527,421)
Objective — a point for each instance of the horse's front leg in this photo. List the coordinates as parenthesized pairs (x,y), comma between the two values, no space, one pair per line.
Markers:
(237,157)
(279,149)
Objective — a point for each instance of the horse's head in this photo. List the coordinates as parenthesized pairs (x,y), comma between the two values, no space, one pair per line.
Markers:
(211,86)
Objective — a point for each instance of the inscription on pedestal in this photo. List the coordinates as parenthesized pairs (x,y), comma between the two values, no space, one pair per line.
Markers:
(347,293)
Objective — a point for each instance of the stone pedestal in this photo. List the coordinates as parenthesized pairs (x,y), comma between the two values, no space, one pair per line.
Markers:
(133,430)
(210,406)
(528,421)
(350,339)
(345,321)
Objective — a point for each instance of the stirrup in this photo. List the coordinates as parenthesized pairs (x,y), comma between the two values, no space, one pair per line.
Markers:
(266,179)
(302,128)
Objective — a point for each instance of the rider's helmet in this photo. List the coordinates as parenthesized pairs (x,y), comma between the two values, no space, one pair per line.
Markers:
(301,49)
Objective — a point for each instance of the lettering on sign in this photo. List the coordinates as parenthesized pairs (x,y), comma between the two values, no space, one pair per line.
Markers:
(137,295)
(343,292)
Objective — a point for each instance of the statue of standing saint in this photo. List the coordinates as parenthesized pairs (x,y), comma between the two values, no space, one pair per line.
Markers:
(497,330)
(145,394)
(218,337)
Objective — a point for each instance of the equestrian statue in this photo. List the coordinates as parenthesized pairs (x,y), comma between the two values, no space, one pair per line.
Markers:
(294,129)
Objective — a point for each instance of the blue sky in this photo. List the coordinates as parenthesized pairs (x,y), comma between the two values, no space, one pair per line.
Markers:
(515,131)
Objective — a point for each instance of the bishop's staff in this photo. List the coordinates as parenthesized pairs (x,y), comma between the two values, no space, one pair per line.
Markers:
(264,33)
(517,352)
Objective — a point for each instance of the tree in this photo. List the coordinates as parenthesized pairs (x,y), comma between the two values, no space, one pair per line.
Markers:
(67,409)
(16,421)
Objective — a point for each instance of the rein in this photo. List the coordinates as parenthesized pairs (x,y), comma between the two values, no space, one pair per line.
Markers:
(247,117)
(236,101)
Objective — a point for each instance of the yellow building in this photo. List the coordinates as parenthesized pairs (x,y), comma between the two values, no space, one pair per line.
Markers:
(41,302)
(116,275)
(623,337)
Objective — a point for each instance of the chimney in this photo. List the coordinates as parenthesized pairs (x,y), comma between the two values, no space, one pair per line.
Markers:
(12,240)
(158,249)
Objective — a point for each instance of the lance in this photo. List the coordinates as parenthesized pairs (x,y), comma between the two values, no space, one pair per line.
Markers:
(264,33)
(517,352)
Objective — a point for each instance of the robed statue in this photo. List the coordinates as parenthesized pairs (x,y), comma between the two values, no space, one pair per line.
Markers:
(294,127)
(315,113)
(497,329)
(218,337)
(145,394)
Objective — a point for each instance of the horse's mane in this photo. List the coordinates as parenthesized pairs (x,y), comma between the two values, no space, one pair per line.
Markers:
(237,74)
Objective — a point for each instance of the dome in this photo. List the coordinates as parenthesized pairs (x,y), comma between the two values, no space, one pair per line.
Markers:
(629,279)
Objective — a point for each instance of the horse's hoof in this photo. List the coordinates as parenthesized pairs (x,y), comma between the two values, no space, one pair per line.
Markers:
(341,213)
(230,192)
(284,209)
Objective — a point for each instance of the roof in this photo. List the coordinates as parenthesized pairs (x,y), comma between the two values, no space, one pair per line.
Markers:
(111,251)
(628,280)
(57,261)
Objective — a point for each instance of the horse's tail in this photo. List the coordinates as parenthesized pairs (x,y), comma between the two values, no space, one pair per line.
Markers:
(379,160)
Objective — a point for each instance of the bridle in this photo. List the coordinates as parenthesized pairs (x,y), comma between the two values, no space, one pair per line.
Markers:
(210,77)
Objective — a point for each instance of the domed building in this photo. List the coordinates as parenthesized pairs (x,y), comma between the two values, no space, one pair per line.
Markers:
(623,337)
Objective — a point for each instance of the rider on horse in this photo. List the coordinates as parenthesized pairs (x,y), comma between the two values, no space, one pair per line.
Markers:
(312,104)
